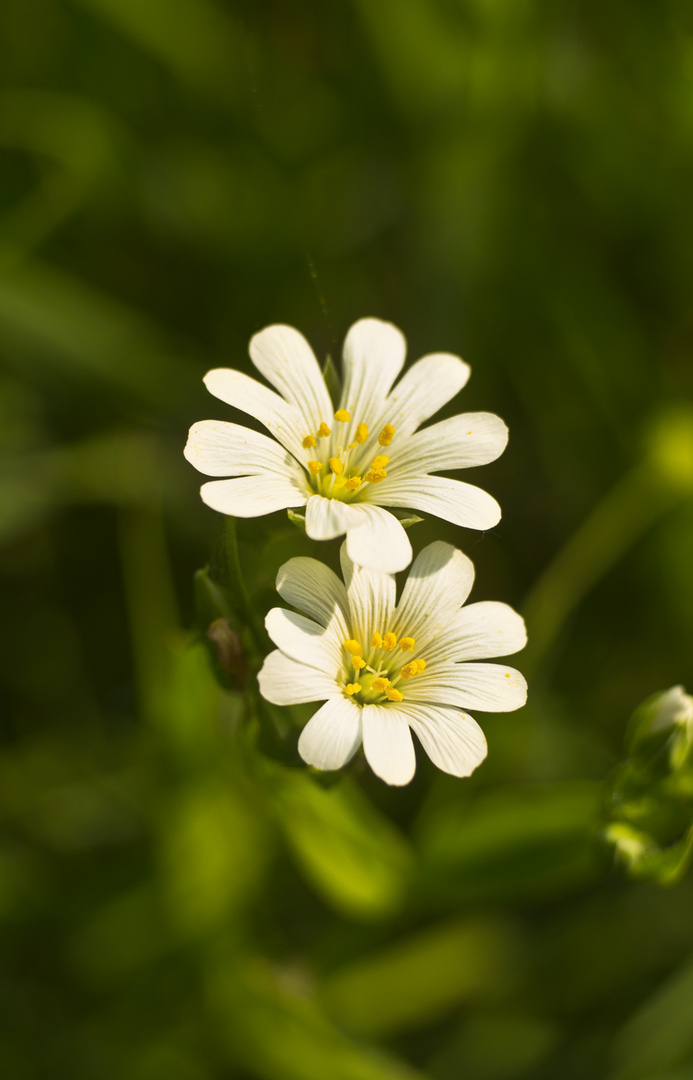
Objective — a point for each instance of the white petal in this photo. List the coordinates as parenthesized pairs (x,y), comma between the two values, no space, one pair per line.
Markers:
(279,417)
(285,682)
(491,687)
(387,744)
(252,496)
(480,631)
(286,360)
(377,540)
(438,584)
(451,500)
(458,443)
(427,386)
(333,735)
(453,740)
(316,590)
(327,518)
(305,641)
(373,355)
(217,448)
(371,599)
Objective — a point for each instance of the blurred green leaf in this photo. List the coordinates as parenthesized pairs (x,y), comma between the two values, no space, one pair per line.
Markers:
(418,978)
(350,853)
(71,328)
(658,1037)
(196,39)
(273,1025)
(213,851)
(512,843)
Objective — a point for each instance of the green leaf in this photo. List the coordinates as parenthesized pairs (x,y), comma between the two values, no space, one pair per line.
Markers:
(660,1034)
(275,1027)
(513,843)
(419,977)
(351,854)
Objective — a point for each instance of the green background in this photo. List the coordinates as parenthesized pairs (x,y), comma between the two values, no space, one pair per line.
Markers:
(509,180)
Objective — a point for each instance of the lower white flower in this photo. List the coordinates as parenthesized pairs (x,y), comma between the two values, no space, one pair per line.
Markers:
(385,669)
(346,465)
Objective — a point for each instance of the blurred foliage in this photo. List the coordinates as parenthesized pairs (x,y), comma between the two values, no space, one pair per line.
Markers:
(505,179)
(651,800)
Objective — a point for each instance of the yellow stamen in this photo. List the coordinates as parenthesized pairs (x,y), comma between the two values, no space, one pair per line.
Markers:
(393,695)
(353,445)
(342,415)
(308,442)
(353,646)
(380,684)
(358,662)
(315,467)
(407,644)
(386,435)
(323,431)
(377,640)
(336,465)
(389,641)
(353,484)
(420,666)
(408,671)
(361,433)
(352,688)
(375,476)
(379,461)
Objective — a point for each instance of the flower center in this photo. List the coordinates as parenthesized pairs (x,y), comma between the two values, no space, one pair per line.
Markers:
(376,677)
(341,471)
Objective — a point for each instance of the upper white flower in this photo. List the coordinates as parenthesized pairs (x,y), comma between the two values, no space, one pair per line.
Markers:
(345,465)
(384,670)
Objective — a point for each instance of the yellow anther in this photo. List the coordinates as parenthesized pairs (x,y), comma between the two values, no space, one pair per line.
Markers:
(342,415)
(352,688)
(389,641)
(337,466)
(353,646)
(308,442)
(386,435)
(408,671)
(407,644)
(379,461)
(380,684)
(361,433)
(420,666)
(358,662)
(353,445)
(353,484)
(374,476)
(323,431)
(377,640)
(315,467)
(393,695)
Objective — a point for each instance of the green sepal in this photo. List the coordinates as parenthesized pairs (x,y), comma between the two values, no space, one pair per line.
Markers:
(332,378)
(297,519)
(211,600)
(407,520)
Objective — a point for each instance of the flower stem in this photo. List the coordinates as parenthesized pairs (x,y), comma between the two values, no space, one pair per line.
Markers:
(239,592)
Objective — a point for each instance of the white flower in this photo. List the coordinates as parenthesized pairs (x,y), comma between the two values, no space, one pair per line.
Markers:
(384,670)
(344,466)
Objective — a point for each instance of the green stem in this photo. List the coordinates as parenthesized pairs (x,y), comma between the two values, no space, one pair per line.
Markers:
(237,582)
